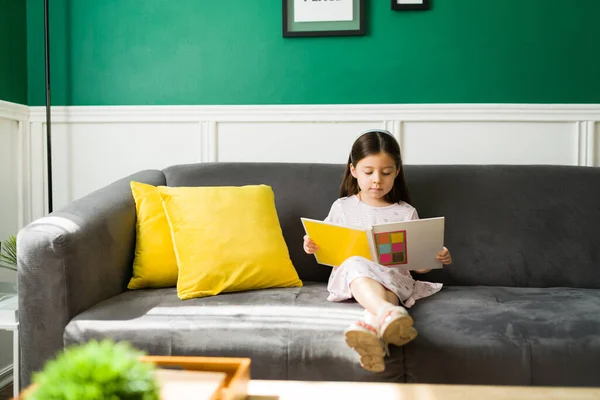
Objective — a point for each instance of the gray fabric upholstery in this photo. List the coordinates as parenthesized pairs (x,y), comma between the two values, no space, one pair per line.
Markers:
(292,333)
(498,335)
(520,304)
(504,335)
(69,261)
(525,226)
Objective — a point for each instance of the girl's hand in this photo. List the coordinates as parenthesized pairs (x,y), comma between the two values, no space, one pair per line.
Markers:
(444,256)
(309,246)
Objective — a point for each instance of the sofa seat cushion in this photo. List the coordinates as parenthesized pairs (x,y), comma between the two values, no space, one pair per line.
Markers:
(502,335)
(289,333)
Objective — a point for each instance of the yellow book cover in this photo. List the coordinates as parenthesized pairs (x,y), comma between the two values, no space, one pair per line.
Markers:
(336,243)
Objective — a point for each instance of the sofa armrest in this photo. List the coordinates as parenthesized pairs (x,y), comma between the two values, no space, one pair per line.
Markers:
(71,260)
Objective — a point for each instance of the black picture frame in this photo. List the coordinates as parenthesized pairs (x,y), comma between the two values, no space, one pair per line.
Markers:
(424,5)
(291,29)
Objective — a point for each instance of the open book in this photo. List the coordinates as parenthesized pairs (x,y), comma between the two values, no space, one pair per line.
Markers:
(408,245)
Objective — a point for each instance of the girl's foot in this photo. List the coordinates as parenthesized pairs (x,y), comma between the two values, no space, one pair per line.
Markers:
(363,339)
(395,325)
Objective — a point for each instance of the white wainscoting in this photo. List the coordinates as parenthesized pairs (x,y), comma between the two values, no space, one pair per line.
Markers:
(13,183)
(14,171)
(93,146)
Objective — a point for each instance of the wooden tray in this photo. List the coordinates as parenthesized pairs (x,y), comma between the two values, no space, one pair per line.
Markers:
(237,371)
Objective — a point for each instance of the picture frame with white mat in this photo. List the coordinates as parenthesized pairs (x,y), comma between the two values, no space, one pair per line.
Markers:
(411,5)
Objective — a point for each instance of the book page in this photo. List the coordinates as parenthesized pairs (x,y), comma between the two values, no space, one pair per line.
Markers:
(336,243)
(409,245)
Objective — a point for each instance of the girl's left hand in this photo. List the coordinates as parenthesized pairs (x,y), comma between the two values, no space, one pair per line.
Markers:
(444,256)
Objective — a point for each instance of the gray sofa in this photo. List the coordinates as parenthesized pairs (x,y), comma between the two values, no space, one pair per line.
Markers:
(520,305)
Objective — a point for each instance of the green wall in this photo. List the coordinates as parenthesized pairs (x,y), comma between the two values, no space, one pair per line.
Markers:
(13,51)
(132,52)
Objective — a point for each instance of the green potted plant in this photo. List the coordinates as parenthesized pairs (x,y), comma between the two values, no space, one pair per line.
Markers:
(8,260)
(96,370)
(8,253)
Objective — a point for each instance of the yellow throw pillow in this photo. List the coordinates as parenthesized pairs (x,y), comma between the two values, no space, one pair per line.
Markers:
(227,239)
(154,264)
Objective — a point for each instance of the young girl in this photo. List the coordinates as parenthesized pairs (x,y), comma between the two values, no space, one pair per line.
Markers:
(373,191)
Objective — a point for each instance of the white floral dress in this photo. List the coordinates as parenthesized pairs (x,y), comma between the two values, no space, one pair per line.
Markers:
(350,211)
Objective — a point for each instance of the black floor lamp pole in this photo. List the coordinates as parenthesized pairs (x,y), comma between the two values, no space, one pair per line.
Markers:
(48,126)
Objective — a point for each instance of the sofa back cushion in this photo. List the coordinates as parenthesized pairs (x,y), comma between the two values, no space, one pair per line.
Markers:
(524,226)
(528,226)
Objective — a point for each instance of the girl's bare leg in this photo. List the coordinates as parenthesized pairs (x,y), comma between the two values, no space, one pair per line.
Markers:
(372,295)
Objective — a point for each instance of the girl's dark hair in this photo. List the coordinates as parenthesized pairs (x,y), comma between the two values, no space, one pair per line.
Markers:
(371,143)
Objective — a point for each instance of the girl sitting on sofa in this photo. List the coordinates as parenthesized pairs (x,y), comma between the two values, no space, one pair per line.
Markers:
(373,191)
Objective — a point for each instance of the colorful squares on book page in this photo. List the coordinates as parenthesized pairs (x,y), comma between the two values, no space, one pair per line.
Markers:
(398,258)
(383,239)
(385,249)
(385,259)
(391,248)
(397,247)
(397,237)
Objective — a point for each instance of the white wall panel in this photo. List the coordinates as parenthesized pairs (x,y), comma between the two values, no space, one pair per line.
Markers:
(594,145)
(87,156)
(301,142)
(9,182)
(490,143)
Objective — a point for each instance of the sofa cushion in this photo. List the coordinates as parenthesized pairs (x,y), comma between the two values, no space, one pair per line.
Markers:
(227,239)
(154,264)
(289,333)
(525,226)
(501,335)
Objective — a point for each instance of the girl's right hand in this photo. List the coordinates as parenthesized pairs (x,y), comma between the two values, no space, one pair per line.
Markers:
(309,246)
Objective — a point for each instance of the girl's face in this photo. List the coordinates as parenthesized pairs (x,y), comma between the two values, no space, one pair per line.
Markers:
(375,175)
